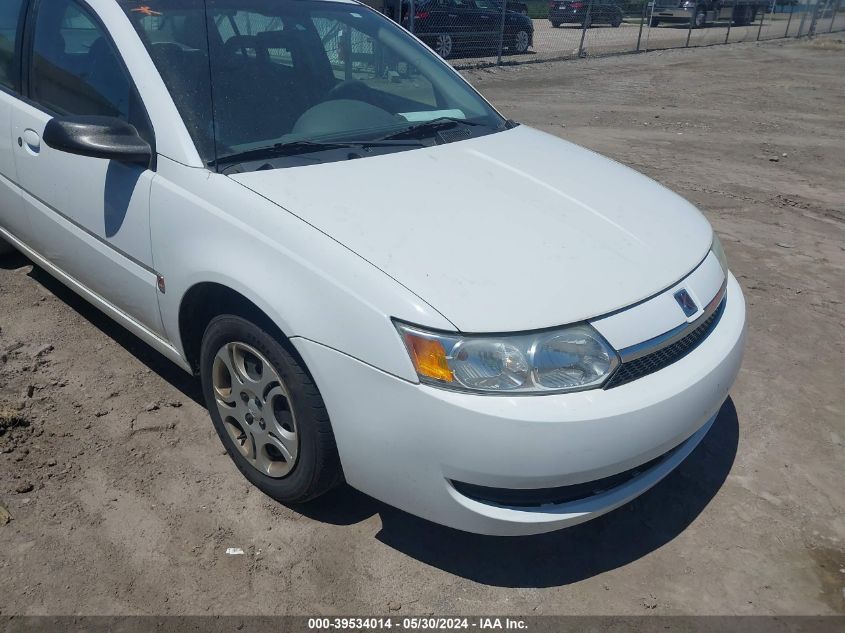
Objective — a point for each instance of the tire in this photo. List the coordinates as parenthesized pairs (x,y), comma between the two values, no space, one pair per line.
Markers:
(700,18)
(654,21)
(616,21)
(521,42)
(443,45)
(277,429)
(588,21)
(555,25)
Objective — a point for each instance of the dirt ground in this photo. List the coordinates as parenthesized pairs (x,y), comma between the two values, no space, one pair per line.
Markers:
(122,501)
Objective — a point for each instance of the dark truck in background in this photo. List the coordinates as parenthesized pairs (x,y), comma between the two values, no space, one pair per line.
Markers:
(702,12)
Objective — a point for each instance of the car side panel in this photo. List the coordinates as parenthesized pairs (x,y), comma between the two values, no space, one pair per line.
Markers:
(205,227)
(482,28)
(145,334)
(12,216)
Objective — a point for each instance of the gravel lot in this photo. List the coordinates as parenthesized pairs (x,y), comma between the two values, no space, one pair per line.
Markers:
(122,501)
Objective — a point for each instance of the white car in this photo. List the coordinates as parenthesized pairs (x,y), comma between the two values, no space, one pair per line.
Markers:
(378,278)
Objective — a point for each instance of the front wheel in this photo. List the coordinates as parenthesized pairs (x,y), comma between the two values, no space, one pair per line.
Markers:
(588,21)
(654,21)
(443,45)
(267,411)
(700,18)
(555,25)
(616,21)
(521,41)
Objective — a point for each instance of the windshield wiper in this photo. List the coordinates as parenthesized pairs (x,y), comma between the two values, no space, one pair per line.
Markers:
(292,148)
(426,128)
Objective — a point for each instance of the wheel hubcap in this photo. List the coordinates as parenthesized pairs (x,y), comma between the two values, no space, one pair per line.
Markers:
(255,406)
(444,45)
(522,41)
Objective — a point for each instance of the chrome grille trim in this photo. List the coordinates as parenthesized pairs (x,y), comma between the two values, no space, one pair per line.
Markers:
(655,354)
(667,338)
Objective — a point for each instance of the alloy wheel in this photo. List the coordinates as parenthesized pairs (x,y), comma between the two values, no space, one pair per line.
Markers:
(256,409)
(521,42)
(443,45)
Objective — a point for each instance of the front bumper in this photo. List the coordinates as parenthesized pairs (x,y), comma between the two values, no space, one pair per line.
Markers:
(403,443)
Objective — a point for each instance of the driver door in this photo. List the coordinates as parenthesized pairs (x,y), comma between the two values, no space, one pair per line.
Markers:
(89,216)
(11,20)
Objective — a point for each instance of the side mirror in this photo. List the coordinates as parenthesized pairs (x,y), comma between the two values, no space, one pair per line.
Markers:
(98,137)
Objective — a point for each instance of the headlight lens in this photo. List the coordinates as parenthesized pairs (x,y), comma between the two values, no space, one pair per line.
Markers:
(489,365)
(719,252)
(566,359)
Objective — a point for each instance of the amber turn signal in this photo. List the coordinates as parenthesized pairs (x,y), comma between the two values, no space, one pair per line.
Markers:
(429,357)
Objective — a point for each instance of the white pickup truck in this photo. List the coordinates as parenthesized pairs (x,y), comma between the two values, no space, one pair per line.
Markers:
(700,13)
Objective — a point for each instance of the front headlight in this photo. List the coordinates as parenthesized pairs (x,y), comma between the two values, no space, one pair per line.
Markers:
(719,252)
(552,361)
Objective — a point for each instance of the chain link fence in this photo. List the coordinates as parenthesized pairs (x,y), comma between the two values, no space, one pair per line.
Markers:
(472,33)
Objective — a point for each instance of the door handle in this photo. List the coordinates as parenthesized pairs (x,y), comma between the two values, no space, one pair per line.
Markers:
(453,15)
(32,140)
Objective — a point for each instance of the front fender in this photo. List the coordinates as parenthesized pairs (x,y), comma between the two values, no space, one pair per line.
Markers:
(209,228)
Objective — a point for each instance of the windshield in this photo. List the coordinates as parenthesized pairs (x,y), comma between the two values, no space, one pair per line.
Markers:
(264,83)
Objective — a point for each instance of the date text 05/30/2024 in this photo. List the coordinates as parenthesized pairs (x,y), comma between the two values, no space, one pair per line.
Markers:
(415,623)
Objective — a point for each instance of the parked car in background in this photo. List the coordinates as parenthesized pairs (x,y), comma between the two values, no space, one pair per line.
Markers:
(703,12)
(582,12)
(453,27)
(517,6)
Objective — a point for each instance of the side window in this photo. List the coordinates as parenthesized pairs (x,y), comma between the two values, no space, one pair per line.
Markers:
(75,69)
(10,14)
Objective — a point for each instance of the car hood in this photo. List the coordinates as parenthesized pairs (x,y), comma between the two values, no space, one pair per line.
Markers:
(511,231)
